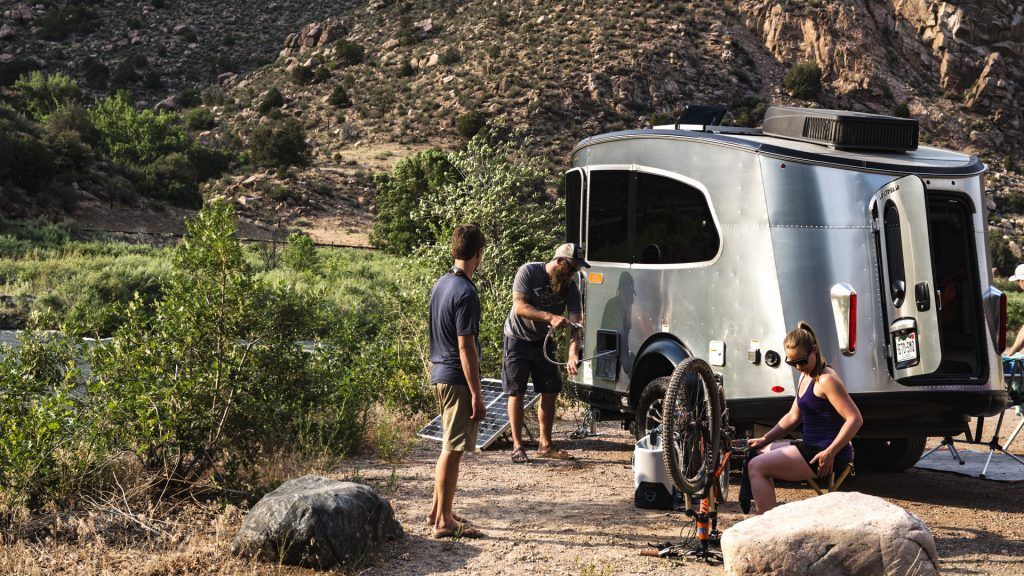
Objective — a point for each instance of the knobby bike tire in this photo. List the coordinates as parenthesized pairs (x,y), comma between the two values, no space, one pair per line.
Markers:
(691,436)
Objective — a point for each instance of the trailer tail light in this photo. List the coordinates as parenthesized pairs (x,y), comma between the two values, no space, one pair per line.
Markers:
(844,311)
(1001,344)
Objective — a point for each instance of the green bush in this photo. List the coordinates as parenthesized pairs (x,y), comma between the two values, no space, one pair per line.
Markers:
(339,97)
(171,178)
(300,253)
(130,136)
(40,94)
(803,81)
(399,195)
(25,161)
(280,144)
(303,75)
(60,22)
(39,423)
(471,123)
(406,69)
(271,100)
(199,119)
(96,73)
(14,69)
(209,162)
(902,110)
(999,251)
(450,56)
(73,118)
(216,376)
(349,53)
(747,112)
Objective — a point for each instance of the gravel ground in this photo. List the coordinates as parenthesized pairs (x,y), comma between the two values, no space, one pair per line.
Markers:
(555,517)
(545,517)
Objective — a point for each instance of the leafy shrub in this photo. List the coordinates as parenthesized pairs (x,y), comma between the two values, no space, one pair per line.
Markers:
(173,179)
(303,75)
(406,69)
(471,123)
(40,94)
(271,100)
(14,69)
(61,22)
(300,253)
(399,195)
(209,162)
(38,423)
(450,56)
(280,144)
(151,80)
(349,53)
(96,73)
(216,375)
(128,135)
(803,81)
(339,97)
(747,112)
(1001,255)
(199,119)
(902,110)
(24,160)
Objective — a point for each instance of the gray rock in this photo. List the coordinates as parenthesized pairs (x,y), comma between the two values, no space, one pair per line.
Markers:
(6,31)
(318,522)
(838,533)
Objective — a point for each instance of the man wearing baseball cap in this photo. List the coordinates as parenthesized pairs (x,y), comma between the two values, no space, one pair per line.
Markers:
(1018,343)
(542,293)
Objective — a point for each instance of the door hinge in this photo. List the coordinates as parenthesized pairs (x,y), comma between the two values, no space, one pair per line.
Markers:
(888,351)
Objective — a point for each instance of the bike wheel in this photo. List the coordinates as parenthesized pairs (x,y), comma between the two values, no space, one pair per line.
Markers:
(691,431)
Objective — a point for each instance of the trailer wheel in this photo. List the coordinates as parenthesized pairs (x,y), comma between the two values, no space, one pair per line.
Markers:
(650,409)
(889,454)
(692,427)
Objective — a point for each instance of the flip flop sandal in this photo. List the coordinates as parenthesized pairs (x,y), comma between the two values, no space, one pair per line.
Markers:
(457,518)
(460,532)
(555,454)
(519,456)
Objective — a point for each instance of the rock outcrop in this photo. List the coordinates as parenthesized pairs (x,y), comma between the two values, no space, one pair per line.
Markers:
(838,533)
(318,522)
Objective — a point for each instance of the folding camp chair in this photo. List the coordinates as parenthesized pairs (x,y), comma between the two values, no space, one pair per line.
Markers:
(833,482)
(1013,374)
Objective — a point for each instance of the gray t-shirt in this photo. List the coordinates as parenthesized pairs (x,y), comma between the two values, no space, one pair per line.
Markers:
(532,281)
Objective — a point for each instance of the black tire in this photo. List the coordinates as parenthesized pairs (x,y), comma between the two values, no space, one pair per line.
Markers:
(691,431)
(649,411)
(888,454)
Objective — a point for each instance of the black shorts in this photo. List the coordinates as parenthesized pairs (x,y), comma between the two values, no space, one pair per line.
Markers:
(523,361)
(809,451)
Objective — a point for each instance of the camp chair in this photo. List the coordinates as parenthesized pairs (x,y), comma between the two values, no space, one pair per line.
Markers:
(1013,374)
(833,482)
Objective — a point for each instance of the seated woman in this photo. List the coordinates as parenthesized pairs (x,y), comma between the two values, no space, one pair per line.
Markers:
(830,421)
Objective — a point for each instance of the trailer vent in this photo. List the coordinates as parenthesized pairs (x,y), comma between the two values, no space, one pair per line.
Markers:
(841,129)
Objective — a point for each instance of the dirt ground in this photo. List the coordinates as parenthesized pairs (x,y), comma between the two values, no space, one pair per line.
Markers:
(546,517)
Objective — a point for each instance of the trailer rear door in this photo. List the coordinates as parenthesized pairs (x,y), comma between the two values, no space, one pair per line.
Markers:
(900,218)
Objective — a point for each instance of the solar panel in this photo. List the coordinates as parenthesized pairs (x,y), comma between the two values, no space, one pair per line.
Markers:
(496,422)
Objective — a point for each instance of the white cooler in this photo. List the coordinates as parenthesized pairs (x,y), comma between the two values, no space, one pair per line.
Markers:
(652,486)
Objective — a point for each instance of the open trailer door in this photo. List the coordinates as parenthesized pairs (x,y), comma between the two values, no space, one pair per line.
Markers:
(900,217)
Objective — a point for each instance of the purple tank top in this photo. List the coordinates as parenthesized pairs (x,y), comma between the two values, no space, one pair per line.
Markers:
(821,421)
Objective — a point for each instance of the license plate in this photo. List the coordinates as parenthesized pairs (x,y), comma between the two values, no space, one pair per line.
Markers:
(906,348)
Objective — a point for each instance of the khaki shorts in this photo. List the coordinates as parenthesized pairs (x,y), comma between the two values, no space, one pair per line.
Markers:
(456,405)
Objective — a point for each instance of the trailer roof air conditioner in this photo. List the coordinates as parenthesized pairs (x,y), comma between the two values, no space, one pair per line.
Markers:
(842,130)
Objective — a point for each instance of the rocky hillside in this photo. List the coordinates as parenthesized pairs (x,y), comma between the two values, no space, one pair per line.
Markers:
(373,81)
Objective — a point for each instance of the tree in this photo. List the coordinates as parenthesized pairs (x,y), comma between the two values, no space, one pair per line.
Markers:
(40,94)
(280,144)
(803,81)
(399,194)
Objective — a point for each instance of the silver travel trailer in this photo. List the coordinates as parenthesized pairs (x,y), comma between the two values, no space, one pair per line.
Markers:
(713,242)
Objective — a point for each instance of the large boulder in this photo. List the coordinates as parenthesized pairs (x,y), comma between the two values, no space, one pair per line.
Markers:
(839,533)
(316,522)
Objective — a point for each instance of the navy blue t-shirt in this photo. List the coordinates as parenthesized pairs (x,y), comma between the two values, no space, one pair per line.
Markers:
(454,312)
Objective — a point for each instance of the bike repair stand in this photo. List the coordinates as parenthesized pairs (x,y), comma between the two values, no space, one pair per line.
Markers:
(708,536)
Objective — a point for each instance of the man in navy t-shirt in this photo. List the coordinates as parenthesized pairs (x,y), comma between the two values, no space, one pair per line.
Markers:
(455,374)
(542,292)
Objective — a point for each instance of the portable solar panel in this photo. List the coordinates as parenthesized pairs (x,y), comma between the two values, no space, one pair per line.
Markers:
(496,422)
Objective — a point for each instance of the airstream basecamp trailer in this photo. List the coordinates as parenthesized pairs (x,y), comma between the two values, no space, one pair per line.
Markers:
(713,242)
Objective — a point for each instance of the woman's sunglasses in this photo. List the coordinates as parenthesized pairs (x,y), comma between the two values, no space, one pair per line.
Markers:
(799,361)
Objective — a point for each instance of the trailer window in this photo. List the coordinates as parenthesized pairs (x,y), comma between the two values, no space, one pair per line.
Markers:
(894,247)
(573,204)
(608,234)
(674,223)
